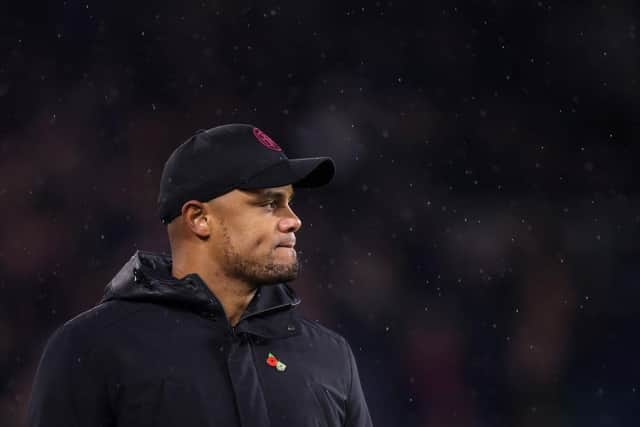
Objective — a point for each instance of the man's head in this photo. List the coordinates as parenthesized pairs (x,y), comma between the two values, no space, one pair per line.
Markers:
(226,194)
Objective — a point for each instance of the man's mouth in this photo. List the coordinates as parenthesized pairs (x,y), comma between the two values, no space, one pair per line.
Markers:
(289,243)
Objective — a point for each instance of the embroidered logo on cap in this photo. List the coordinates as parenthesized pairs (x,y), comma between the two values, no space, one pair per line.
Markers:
(264,139)
(274,362)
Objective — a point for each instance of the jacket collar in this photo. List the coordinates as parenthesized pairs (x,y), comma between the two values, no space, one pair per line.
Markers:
(146,277)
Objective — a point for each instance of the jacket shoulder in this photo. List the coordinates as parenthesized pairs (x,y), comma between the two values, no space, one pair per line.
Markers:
(69,387)
(319,331)
(86,328)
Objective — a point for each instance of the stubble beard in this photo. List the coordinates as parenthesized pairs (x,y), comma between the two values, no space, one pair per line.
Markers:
(253,272)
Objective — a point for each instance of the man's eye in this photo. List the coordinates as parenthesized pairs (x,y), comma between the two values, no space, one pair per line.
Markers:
(271,204)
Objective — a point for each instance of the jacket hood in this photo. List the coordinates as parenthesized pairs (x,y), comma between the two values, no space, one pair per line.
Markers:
(146,277)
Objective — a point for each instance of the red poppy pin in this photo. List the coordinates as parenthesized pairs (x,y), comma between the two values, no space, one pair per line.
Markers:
(274,362)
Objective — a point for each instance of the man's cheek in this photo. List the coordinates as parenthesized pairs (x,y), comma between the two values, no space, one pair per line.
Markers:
(259,242)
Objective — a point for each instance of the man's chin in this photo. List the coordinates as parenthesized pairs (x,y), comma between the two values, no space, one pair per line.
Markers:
(278,273)
(270,273)
(284,273)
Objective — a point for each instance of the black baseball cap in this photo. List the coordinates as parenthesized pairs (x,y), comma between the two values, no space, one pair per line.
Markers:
(235,156)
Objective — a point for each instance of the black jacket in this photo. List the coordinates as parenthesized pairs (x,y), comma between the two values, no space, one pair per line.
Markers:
(158,351)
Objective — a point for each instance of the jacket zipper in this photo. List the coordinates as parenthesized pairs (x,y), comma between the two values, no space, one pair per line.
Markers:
(264,311)
(234,331)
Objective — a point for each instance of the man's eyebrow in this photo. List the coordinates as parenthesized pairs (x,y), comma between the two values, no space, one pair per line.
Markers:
(271,194)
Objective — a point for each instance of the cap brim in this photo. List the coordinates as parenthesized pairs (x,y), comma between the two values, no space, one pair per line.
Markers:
(305,172)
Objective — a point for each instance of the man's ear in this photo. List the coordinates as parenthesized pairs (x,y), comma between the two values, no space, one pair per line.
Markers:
(197,218)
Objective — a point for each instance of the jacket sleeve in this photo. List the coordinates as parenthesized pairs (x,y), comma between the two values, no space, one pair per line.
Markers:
(357,410)
(66,390)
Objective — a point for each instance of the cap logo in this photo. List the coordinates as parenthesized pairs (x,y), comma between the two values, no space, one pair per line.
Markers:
(264,139)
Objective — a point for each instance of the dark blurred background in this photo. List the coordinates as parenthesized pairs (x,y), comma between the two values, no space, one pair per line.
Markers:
(478,245)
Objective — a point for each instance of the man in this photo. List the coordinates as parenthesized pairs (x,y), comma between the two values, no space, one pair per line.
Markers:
(210,336)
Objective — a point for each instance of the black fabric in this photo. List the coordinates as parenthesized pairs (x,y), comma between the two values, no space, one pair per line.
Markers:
(215,161)
(159,351)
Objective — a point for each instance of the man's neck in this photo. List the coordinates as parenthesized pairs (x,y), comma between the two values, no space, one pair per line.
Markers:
(234,295)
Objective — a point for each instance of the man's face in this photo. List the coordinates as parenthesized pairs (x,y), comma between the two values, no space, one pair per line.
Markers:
(254,238)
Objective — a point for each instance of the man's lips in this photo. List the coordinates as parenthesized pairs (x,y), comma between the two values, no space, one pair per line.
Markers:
(285,246)
(289,243)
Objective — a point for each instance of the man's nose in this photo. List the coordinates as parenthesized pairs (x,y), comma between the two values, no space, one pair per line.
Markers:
(290,223)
